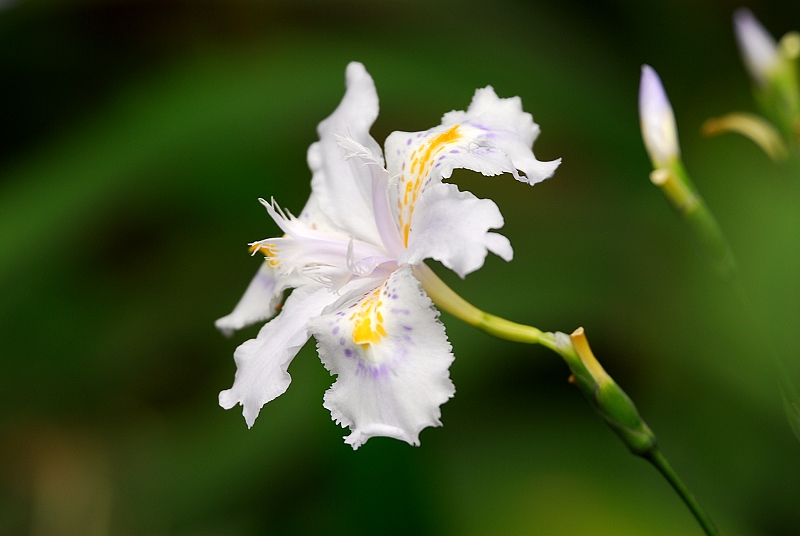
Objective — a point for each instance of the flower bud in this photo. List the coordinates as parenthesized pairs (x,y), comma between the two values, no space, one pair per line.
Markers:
(759,49)
(614,406)
(657,120)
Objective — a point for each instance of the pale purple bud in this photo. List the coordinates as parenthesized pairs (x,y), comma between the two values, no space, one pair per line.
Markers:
(657,120)
(759,49)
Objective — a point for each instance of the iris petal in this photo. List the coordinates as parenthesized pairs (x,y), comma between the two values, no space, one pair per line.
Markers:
(391,357)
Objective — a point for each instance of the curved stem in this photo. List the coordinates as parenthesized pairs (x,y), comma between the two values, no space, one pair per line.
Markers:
(608,399)
(447,300)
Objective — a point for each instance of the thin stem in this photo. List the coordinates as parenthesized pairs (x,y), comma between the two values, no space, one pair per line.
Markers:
(656,457)
(608,399)
(687,202)
(447,300)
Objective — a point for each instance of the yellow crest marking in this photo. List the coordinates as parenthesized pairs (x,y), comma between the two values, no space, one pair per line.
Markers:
(422,159)
(369,320)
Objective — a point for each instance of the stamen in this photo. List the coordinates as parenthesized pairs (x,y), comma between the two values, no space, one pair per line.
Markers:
(269,250)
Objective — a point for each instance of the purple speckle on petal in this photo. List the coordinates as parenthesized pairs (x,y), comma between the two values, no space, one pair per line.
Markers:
(266,282)
(379,371)
(342,341)
(408,328)
(408,141)
(406,338)
(336,330)
(376,372)
(455,151)
(348,352)
(394,296)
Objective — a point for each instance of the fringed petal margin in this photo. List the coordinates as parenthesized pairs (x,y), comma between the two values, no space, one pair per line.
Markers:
(262,363)
(391,357)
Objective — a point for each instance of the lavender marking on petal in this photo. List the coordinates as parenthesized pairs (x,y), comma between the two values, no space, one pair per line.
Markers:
(336,330)
(266,282)
(348,352)
(378,372)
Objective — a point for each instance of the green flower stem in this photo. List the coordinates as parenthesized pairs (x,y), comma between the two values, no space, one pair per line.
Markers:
(620,413)
(780,97)
(608,399)
(657,458)
(684,198)
(687,202)
(447,300)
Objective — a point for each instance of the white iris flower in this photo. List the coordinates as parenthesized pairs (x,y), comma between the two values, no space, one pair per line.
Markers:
(354,257)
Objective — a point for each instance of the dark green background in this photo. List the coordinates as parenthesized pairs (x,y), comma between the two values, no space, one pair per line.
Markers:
(135,139)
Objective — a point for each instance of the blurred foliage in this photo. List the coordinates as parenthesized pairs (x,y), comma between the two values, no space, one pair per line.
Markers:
(135,139)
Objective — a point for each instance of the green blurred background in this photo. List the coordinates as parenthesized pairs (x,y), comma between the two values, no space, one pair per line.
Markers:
(135,139)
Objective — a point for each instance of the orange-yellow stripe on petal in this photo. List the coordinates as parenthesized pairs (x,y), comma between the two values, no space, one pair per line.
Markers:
(369,321)
(421,165)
